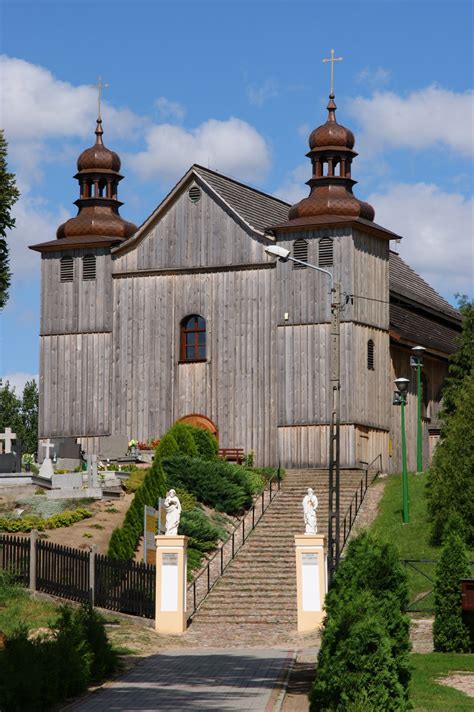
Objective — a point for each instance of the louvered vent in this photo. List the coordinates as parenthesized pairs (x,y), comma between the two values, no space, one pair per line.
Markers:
(88,267)
(67,269)
(325,252)
(370,355)
(194,194)
(300,252)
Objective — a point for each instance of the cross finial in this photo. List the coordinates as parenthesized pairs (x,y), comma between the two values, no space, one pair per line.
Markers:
(332,59)
(100,86)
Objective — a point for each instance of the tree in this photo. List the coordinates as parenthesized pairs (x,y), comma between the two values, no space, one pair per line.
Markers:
(450,485)
(10,411)
(450,633)
(9,194)
(29,414)
(461,363)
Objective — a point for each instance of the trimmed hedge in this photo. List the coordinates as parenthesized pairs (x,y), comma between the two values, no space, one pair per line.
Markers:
(218,484)
(184,439)
(32,521)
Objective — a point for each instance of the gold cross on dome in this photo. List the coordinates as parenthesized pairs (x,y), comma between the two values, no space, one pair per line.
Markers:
(100,86)
(332,59)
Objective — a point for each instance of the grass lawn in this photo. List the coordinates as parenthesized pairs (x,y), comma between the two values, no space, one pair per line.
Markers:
(412,539)
(18,607)
(426,694)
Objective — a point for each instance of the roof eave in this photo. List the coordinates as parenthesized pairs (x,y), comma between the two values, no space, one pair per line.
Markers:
(335,221)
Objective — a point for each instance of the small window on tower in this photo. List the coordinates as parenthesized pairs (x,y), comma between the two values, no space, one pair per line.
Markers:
(300,252)
(370,355)
(88,267)
(66,269)
(325,252)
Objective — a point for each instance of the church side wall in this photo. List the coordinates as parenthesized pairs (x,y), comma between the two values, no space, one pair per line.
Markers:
(75,372)
(371,281)
(235,387)
(435,370)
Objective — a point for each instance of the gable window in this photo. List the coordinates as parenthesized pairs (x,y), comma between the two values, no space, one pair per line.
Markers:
(88,267)
(370,355)
(66,270)
(193,338)
(300,252)
(325,252)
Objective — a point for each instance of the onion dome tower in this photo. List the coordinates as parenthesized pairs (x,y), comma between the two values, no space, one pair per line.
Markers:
(98,215)
(331,153)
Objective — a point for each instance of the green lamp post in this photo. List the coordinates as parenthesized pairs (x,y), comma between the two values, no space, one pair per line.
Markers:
(401,395)
(416,361)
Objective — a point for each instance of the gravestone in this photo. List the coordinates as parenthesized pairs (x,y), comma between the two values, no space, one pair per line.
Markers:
(8,462)
(113,447)
(46,469)
(69,454)
(7,437)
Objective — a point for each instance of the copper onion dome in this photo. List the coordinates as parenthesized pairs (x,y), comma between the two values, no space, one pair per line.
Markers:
(98,175)
(331,184)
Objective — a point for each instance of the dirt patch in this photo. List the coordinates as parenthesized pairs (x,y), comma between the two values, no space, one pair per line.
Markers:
(462,681)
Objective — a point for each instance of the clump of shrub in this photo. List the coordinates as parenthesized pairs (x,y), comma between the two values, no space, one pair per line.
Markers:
(206,443)
(32,521)
(218,484)
(56,666)
(135,480)
(184,439)
(124,540)
(167,447)
(364,655)
(450,631)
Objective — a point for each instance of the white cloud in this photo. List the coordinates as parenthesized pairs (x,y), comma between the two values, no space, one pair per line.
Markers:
(437,230)
(34,223)
(419,120)
(18,380)
(231,146)
(294,188)
(169,109)
(259,95)
(373,77)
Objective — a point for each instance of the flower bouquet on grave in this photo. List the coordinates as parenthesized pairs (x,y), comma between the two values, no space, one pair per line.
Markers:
(132,447)
(27,459)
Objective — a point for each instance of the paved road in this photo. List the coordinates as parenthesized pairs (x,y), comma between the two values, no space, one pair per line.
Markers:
(198,680)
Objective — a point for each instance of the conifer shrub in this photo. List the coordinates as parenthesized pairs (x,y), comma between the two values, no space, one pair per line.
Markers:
(450,632)
(195,524)
(216,484)
(167,447)
(182,433)
(206,444)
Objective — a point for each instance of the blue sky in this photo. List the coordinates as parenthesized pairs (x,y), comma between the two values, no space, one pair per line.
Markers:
(238,86)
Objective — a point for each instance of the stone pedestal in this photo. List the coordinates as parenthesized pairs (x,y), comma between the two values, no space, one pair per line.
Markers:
(171,565)
(311,578)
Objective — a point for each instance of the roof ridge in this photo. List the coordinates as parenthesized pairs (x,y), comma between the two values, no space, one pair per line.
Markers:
(243,185)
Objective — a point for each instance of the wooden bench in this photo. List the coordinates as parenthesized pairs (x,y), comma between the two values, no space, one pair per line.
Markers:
(232,454)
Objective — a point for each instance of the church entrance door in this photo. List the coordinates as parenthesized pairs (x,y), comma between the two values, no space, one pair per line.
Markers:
(201,421)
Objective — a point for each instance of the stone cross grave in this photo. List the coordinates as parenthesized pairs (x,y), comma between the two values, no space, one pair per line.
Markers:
(46,469)
(9,437)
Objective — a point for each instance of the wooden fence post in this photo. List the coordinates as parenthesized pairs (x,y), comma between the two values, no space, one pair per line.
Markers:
(33,540)
(92,553)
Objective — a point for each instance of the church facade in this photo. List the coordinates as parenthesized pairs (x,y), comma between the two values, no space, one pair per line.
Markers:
(188,316)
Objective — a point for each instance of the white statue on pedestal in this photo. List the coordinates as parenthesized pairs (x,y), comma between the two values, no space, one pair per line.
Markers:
(310,504)
(173,513)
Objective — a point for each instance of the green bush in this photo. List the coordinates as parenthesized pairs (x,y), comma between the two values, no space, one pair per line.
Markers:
(135,480)
(217,484)
(356,662)
(167,447)
(450,632)
(32,521)
(182,433)
(203,536)
(206,444)
(450,478)
(36,674)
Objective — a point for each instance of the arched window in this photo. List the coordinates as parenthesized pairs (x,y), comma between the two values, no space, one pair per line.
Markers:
(370,355)
(193,338)
(88,267)
(325,258)
(300,252)
(66,269)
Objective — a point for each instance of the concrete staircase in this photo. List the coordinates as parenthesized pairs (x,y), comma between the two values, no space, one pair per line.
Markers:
(258,588)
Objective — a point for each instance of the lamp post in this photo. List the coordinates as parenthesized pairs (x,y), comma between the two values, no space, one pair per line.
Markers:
(416,361)
(334,526)
(402,385)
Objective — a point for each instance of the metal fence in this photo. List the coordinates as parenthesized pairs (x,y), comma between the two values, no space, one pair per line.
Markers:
(357,499)
(78,575)
(422,573)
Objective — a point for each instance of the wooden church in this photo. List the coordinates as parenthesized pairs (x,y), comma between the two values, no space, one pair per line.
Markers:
(188,317)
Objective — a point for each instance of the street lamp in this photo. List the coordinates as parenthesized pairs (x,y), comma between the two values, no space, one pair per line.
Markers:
(416,361)
(334,527)
(400,399)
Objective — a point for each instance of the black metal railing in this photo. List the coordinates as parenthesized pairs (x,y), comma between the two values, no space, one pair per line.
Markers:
(205,581)
(125,586)
(62,571)
(15,557)
(357,499)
